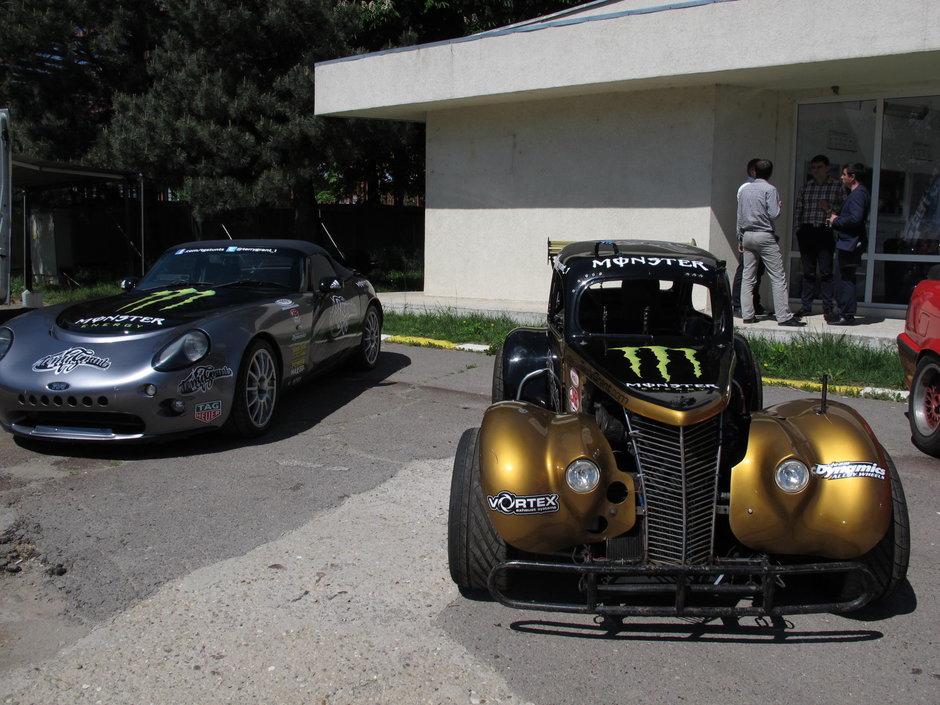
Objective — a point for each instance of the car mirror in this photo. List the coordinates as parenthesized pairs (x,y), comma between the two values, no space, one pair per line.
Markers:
(328,284)
(129,283)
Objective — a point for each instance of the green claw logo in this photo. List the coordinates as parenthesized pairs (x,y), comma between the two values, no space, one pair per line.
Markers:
(661,354)
(186,296)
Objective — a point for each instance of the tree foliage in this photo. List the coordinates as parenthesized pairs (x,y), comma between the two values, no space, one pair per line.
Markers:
(61,64)
(214,98)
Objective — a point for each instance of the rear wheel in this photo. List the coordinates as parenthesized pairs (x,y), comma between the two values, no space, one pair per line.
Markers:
(255,392)
(473,546)
(924,406)
(371,342)
(498,392)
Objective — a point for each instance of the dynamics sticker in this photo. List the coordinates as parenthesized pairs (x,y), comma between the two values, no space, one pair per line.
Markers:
(508,503)
(847,468)
(61,363)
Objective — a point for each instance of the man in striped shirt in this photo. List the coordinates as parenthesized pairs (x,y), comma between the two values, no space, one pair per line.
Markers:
(817,200)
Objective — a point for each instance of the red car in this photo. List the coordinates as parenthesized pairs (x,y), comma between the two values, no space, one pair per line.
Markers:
(919,348)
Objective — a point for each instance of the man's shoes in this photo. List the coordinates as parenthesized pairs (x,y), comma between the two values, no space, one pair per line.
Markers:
(759,310)
(736,313)
(804,312)
(794,322)
(841,320)
(750,320)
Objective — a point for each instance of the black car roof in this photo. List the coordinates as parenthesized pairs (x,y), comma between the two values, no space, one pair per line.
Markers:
(637,258)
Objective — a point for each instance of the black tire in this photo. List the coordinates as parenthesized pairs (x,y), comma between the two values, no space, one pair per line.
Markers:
(888,560)
(923,406)
(370,345)
(473,546)
(747,374)
(256,392)
(499,391)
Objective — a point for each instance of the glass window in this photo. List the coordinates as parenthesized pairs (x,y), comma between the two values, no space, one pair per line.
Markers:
(843,132)
(908,228)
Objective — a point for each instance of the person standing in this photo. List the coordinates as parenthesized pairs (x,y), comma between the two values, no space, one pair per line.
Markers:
(816,200)
(758,208)
(848,228)
(739,271)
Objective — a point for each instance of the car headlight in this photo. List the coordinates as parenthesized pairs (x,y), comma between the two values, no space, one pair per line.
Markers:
(6,341)
(791,475)
(190,347)
(582,475)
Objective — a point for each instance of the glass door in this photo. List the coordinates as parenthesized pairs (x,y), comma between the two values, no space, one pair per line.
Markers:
(907,232)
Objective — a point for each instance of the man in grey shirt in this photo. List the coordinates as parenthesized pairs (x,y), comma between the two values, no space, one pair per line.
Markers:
(758,208)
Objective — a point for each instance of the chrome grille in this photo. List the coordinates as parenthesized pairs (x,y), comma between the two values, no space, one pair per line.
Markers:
(679,469)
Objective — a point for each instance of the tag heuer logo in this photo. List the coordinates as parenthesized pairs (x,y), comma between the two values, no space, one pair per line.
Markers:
(208,411)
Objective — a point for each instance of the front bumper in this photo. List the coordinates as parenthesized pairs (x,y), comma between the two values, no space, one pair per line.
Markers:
(715,590)
(124,412)
(908,351)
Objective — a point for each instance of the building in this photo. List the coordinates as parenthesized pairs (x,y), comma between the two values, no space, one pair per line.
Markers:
(625,119)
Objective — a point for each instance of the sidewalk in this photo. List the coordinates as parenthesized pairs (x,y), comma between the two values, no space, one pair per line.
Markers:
(872,329)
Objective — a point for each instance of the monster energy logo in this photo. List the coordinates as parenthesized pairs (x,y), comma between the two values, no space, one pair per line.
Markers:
(185,296)
(661,354)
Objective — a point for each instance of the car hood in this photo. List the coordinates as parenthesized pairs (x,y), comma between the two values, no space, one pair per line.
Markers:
(156,309)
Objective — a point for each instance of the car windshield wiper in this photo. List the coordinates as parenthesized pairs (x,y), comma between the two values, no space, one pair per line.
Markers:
(256,282)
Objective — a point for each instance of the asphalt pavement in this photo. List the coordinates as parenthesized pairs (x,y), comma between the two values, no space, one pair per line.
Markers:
(310,566)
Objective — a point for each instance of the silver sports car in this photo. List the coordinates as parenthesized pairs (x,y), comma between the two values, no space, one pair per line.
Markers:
(207,339)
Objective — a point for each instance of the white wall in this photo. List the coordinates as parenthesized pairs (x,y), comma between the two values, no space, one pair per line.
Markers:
(504,179)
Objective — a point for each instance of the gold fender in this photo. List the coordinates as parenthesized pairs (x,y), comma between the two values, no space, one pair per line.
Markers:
(846,507)
(524,453)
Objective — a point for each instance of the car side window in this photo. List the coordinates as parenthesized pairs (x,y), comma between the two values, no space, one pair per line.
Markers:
(320,267)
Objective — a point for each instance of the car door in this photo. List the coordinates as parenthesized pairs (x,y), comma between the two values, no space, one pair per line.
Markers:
(336,315)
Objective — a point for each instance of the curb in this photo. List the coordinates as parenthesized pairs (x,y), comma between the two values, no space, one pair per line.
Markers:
(433,343)
(850,391)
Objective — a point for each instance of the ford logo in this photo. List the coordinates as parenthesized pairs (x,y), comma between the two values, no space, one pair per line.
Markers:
(58,386)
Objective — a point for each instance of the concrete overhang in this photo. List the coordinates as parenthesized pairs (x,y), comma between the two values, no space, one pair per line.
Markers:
(619,46)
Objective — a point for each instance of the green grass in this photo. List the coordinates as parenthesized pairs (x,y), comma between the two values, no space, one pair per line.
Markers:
(451,326)
(809,356)
(74,290)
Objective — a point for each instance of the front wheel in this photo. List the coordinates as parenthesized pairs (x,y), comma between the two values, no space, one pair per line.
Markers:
(473,546)
(924,406)
(255,392)
(888,560)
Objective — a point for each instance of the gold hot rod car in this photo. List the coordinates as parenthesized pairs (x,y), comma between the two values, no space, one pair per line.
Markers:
(627,465)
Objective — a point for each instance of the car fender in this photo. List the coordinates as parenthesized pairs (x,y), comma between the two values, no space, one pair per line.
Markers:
(844,510)
(525,351)
(524,453)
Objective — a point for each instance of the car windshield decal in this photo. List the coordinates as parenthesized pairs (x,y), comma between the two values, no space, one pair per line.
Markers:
(175,297)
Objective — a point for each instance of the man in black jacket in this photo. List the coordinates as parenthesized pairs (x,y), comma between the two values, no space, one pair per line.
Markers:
(848,228)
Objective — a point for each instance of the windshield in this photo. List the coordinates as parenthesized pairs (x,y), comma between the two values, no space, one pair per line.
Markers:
(654,336)
(228,266)
(646,307)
